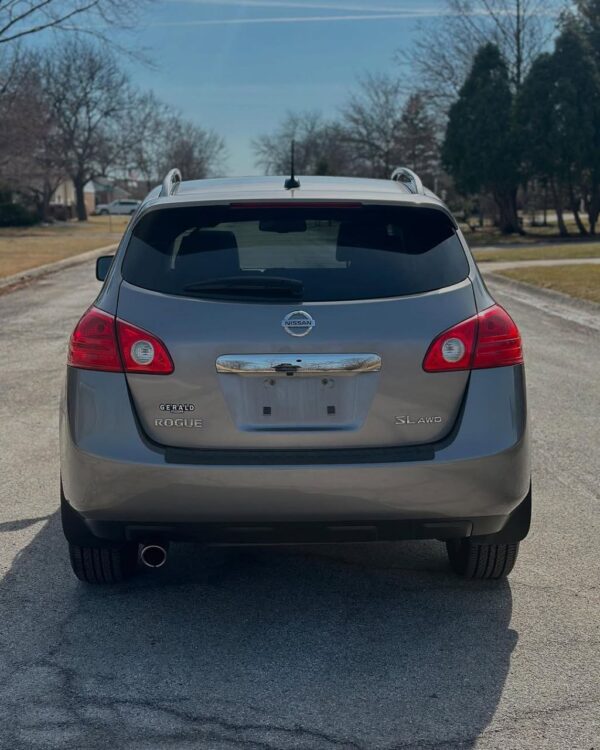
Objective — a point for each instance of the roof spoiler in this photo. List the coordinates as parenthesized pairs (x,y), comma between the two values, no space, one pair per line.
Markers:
(172,179)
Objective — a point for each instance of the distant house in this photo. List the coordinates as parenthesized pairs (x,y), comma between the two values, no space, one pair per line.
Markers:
(107,191)
(101,190)
(62,204)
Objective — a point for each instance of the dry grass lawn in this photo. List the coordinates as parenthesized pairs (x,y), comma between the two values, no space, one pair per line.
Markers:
(578,281)
(490,235)
(22,248)
(541,252)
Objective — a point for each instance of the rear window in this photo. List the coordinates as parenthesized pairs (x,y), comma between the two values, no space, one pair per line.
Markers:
(302,253)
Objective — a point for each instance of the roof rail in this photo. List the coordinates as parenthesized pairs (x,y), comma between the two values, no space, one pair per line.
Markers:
(409,178)
(172,179)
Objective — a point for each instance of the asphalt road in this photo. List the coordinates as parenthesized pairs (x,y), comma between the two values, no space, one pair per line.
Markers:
(368,648)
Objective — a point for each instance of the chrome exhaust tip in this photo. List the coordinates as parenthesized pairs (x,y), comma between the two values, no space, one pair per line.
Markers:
(153,555)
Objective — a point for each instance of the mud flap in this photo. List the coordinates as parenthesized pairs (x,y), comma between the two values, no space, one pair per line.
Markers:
(75,529)
(515,529)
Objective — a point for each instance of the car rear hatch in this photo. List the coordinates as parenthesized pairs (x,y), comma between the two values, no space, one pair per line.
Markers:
(296,327)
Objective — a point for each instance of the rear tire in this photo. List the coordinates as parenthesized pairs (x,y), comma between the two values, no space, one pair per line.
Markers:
(481,561)
(104,564)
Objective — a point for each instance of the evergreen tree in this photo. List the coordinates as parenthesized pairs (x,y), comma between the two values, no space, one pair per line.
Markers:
(559,117)
(480,150)
(588,19)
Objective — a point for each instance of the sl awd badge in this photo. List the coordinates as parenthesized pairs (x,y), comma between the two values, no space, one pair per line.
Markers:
(404,419)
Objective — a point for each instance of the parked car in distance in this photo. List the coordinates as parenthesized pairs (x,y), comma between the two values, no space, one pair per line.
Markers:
(275,361)
(122,208)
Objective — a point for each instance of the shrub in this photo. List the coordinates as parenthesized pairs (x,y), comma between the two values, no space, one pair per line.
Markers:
(16,215)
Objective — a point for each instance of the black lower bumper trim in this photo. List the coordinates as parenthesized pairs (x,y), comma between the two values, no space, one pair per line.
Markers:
(291,533)
(298,457)
(487,529)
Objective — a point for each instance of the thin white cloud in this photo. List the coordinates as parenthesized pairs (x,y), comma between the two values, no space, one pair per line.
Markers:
(297,5)
(297,19)
(366,8)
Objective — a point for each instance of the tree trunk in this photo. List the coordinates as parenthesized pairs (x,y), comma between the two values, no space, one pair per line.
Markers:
(593,209)
(44,209)
(79,184)
(576,215)
(508,220)
(46,197)
(545,224)
(580,225)
(39,208)
(562,227)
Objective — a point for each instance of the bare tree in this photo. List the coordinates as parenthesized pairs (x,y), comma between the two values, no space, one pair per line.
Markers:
(39,166)
(29,162)
(378,130)
(149,120)
(90,99)
(163,139)
(21,18)
(419,140)
(320,146)
(197,152)
(442,56)
(70,111)
(11,108)
(372,123)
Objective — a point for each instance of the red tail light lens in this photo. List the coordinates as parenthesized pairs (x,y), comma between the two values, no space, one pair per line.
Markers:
(443,352)
(100,342)
(498,340)
(93,344)
(142,351)
(489,339)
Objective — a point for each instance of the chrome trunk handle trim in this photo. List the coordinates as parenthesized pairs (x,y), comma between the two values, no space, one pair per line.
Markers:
(301,364)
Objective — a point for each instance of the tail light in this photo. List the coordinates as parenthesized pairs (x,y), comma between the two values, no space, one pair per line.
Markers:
(102,342)
(498,340)
(141,351)
(93,344)
(489,339)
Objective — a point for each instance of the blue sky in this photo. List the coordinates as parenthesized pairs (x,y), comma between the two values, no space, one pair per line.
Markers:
(239,66)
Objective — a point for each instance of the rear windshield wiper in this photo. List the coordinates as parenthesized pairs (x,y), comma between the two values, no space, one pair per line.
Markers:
(259,286)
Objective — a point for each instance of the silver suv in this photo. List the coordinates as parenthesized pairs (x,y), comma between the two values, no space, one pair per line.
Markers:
(120,208)
(274,362)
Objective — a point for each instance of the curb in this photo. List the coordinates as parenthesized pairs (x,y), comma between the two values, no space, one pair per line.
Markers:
(506,265)
(548,294)
(33,274)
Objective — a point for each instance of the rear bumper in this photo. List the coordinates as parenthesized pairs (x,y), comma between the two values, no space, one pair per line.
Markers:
(471,482)
(89,532)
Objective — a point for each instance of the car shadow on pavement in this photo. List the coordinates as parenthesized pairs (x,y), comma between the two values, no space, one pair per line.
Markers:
(373,647)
